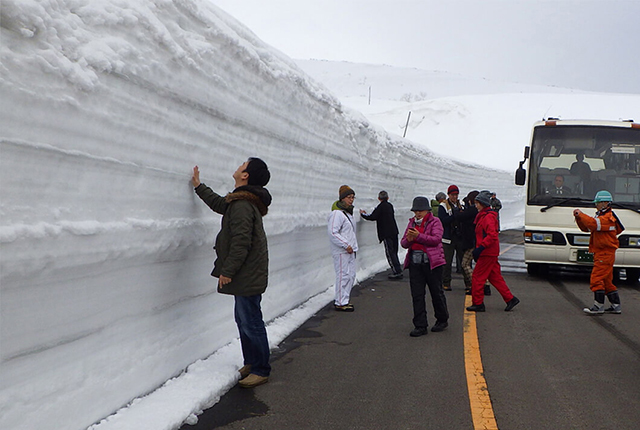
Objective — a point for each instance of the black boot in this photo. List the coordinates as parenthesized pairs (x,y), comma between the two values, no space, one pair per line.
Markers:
(476,308)
(598,304)
(615,308)
(512,304)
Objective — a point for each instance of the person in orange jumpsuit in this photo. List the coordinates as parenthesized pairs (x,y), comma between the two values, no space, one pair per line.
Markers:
(603,242)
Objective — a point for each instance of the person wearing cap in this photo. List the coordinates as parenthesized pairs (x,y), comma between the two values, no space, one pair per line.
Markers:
(603,242)
(496,205)
(466,219)
(486,256)
(451,240)
(387,229)
(242,263)
(425,260)
(344,245)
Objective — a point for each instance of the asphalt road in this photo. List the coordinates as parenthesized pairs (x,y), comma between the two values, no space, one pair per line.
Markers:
(546,364)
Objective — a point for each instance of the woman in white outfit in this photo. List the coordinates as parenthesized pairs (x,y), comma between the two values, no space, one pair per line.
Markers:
(344,245)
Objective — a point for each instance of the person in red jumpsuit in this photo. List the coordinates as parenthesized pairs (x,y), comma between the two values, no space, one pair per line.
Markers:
(603,242)
(486,256)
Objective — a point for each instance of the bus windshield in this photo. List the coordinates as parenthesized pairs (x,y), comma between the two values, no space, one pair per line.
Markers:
(569,164)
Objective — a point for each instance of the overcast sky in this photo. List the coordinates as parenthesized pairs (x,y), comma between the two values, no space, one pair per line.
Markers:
(585,44)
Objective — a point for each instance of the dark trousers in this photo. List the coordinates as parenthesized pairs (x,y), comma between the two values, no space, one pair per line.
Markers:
(253,334)
(449,249)
(422,276)
(391,251)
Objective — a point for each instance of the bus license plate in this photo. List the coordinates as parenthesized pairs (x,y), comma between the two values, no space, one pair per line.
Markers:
(585,256)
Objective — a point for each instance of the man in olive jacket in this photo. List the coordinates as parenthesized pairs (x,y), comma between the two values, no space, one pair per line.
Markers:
(242,262)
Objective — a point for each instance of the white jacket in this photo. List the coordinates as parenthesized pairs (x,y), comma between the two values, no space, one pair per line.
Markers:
(342,232)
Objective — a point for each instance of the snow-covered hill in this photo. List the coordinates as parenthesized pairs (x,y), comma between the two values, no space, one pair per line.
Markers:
(472,120)
(105,293)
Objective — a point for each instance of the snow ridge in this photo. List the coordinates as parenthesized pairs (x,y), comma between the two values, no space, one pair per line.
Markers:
(105,107)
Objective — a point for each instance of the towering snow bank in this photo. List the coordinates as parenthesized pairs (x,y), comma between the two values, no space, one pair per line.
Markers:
(105,106)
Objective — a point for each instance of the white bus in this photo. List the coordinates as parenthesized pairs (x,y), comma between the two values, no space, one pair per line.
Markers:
(568,162)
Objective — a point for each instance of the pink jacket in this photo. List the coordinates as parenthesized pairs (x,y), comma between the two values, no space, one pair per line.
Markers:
(430,241)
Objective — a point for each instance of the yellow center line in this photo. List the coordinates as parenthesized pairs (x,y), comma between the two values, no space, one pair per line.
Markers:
(479,400)
(511,247)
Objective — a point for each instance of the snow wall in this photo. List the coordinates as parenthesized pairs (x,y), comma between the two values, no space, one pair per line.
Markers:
(105,107)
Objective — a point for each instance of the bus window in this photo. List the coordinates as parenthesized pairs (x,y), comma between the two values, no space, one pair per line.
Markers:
(574,162)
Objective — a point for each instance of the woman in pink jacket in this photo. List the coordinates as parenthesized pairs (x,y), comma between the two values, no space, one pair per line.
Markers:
(486,256)
(425,260)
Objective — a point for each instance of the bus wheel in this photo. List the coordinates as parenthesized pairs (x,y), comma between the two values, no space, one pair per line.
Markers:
(537,269)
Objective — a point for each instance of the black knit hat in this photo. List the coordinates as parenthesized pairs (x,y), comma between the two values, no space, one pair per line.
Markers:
(484,197)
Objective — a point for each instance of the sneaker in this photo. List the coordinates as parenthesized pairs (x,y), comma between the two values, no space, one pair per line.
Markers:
(440,326)
(446,287)
(512,304)
(396,276)
(253,380)
(594,310)
(344,308)
(613,309)
(476,308)
(417,332)
(244,371)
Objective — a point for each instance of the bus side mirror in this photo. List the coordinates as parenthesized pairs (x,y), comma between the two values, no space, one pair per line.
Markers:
(521,175)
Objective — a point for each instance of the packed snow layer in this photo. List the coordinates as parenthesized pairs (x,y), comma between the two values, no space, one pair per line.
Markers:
(105,107)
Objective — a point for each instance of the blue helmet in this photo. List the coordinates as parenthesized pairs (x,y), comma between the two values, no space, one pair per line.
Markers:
(603,196)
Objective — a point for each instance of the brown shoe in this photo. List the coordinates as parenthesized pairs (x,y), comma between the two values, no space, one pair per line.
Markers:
(345,308)
(253,380)
(245,371)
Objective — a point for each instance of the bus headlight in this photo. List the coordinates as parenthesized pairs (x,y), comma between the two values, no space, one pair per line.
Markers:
(578,239)
(544,237)
(628,241)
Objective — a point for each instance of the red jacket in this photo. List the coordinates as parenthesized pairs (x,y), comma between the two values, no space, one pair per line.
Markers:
(604,228)
(487,232)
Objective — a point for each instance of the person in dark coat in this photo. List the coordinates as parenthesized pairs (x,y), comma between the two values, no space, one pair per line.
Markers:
(385,218)
(242,263)
(465,219)
(451,240)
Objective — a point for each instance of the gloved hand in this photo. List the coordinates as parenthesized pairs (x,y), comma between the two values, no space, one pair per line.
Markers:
(477,252)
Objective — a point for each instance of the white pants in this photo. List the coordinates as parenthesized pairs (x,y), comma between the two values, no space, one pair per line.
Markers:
(345,267)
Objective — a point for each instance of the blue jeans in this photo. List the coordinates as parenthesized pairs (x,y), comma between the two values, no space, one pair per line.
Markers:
(253,334)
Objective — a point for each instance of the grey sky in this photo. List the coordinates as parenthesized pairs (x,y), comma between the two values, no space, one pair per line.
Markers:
(585,44)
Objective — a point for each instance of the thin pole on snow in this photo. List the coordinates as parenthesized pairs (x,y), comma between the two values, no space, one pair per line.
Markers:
(369,94)
(406,125)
